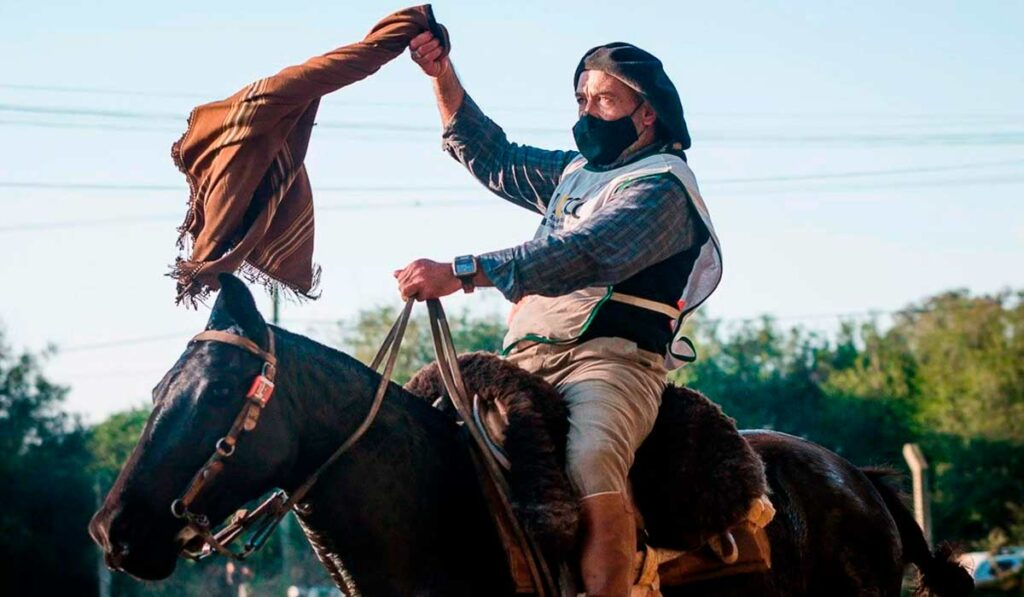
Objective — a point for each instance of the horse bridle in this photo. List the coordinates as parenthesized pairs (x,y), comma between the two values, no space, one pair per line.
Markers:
(265,517)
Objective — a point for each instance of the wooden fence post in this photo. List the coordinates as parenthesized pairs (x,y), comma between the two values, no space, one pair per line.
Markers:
(922,494)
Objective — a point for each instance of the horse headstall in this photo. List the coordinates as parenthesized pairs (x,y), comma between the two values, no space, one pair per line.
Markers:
(265,517)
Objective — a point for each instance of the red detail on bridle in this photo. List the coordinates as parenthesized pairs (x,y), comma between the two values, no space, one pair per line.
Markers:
(261,390)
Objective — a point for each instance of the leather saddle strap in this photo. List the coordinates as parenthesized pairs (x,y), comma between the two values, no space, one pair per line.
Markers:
(501,505)
(388,353)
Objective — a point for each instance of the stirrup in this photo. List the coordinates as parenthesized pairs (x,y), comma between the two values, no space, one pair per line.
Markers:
(647,583)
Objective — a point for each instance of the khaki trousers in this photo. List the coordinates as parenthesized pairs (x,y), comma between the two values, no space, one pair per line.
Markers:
(613,391)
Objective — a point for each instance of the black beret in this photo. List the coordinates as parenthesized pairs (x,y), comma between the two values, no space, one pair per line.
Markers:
(645,74)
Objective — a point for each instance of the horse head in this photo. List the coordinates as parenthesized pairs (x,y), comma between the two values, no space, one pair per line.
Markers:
(194,405)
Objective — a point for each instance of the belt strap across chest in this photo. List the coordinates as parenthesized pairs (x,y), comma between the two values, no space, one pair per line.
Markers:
(648,304)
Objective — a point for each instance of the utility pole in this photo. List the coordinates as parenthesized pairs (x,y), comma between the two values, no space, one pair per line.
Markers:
(286,522)
(275,297)
(922,494)
(102,572)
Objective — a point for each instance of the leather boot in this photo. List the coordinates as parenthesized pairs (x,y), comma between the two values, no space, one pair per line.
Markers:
(609,542)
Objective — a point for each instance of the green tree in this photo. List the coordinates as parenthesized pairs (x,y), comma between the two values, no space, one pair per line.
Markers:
(948,373)
(951,369)
(970,354)
(361,337)
(112,441)
(770,378)
(48,494)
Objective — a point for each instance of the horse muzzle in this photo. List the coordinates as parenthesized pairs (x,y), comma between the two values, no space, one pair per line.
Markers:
(124,553)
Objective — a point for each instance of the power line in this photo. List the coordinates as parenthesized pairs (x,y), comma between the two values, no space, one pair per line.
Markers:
(992,138)
(75,376)
(65,224)
(861,173)
(91,186)
(417,188)
(119,343)
(135,341)
(1000,137)
(184,187)
(881,186)
(88,126)
(63,111)
(1005,138)
(208,98)
(176,117)
(96,91)
(434,203)
(803,115)
(750,319)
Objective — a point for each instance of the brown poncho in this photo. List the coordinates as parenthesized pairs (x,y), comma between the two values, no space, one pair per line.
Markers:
(251,204)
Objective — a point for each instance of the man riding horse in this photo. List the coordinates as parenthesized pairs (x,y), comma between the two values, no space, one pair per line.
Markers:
(624,252)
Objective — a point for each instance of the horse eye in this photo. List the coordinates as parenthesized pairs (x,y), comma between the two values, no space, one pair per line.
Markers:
(219,390)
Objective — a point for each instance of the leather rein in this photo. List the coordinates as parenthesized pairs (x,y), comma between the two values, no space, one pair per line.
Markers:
(262,520)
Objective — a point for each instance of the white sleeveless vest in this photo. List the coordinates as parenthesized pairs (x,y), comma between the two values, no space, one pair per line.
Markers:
(581,193)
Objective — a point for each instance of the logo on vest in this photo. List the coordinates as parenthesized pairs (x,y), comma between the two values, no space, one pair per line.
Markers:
(563,207)
(572,206)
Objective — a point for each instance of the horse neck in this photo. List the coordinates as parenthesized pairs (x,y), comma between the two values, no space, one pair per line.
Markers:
(402,499)
(328,394)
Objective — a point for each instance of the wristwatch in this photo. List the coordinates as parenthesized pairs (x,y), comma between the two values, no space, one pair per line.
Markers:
(465,269)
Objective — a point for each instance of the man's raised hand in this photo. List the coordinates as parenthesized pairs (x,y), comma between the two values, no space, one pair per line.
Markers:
(426,51)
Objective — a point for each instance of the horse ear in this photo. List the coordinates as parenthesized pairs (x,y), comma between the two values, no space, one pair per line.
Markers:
(235,308)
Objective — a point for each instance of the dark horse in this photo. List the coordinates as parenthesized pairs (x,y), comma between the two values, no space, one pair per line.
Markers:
(402,511)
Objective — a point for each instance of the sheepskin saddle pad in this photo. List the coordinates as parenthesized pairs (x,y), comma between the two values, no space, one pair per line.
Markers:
(693,478)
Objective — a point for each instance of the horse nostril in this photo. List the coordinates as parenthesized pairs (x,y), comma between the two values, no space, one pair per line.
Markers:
(117,553)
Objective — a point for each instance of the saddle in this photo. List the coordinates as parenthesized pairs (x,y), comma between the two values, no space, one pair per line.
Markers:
(691,535)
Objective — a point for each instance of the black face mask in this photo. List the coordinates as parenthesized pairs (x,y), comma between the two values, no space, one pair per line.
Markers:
(601,141)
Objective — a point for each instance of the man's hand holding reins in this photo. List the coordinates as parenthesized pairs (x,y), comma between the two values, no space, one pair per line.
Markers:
(425,279)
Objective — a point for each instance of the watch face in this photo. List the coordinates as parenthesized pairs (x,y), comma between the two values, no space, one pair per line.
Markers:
(463,267)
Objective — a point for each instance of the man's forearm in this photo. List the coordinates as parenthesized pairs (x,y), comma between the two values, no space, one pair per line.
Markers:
(449,92)
(480,280)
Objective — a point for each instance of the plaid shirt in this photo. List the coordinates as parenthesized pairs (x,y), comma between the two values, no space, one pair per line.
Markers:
(648,221)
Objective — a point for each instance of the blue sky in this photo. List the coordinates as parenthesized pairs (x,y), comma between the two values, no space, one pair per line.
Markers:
(854,157)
